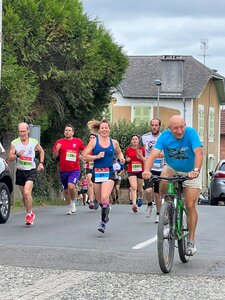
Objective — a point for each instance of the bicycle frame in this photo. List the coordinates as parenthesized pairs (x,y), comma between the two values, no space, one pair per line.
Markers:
(175,189)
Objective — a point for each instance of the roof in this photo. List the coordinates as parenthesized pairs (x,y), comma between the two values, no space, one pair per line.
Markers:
(139,79)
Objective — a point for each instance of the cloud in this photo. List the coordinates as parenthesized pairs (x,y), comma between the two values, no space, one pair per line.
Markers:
(165,27)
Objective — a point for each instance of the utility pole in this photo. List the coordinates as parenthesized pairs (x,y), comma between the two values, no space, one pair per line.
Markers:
(204,46)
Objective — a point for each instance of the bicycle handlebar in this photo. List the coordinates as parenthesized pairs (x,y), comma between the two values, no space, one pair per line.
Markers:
(176,178)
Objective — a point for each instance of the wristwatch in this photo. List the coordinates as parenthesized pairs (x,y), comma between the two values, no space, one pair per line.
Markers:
(196,170)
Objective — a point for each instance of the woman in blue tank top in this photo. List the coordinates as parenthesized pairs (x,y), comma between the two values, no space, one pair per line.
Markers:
(103,149)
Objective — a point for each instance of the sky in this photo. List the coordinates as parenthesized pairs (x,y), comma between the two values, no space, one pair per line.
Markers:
(165,27)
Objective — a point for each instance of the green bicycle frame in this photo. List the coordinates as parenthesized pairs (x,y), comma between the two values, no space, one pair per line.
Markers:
(179,207)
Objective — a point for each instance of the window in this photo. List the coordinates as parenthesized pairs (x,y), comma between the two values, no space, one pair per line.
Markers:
(211,124)
(201,121)
(141,113)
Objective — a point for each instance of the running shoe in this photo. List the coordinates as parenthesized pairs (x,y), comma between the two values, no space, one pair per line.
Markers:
(73,206)
(30,219)
(102,227)
(131,202)
(70,209)
(191,249)
(157,219)
(96,204)
(134,208)
(149,211)
(139,202)
(91,205)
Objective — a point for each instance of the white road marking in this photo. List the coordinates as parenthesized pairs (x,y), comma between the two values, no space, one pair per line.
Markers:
(145,244)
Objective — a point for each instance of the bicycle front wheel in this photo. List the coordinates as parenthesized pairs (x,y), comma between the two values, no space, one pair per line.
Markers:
(182,240)
(166,237)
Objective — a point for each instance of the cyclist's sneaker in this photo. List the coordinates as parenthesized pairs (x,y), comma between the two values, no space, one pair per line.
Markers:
(96,204)
(102,227)
(91,205)
(139,202)
(73,206)
(30,218)
(191,249)
(134,208)
(157,219)
(149,211)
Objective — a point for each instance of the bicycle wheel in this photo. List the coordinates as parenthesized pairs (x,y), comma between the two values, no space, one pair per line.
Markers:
(182,240)
(166,236)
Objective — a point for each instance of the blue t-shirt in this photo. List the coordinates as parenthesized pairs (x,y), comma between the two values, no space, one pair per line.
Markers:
(179,153)
(107,160)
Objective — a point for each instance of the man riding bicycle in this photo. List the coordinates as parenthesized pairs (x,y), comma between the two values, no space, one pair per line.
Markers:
(183,154)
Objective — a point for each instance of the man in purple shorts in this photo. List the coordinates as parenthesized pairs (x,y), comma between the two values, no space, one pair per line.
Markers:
(68,150)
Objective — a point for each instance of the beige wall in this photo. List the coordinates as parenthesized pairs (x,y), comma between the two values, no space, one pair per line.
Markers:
(208,98)
(121,113)
(165,114)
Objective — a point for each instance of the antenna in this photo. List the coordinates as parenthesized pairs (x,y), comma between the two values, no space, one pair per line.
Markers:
(204,45)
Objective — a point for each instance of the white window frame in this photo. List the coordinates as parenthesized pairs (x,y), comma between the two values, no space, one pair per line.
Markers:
(149,105)
(201,117)
(211,124)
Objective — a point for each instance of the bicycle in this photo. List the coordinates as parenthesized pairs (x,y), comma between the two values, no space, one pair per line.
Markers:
(172,224)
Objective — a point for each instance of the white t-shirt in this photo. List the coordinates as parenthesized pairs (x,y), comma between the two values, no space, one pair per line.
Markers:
(149,140)
(27,160)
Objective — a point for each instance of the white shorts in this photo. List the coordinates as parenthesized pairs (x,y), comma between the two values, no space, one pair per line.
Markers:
(193,183)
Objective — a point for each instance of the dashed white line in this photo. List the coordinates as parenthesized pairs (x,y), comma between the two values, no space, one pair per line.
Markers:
(145,244)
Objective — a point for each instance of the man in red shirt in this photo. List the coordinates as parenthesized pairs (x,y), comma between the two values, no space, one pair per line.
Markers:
(68,149)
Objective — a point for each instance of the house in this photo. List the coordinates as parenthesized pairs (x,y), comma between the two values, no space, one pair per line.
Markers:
(161,86)
(222,134)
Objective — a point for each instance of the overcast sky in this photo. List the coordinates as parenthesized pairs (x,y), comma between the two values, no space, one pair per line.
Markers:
(163,27)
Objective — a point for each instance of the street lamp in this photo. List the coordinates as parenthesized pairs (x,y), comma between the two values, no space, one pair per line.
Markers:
(158,83)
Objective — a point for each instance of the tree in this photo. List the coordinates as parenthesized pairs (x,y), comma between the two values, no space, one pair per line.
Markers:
(57,64)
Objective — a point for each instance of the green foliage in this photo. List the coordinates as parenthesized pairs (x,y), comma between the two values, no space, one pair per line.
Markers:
(18,94)
(69,62)
(123,130)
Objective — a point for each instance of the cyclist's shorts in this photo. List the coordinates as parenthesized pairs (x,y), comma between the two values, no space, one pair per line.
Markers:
(195,183)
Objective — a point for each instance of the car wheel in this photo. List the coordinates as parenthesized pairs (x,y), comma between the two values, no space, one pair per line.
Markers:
(5,202)
(212,201)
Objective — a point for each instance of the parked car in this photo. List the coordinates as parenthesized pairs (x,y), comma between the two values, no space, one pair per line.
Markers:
(6,188)
(216,191)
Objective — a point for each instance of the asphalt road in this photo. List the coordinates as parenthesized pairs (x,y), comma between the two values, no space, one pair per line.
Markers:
(65,257)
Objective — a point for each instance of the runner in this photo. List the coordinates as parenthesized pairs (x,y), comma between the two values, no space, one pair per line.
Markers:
(68,150)
(84,188)
(23,150)
(118,169)
(103,149)
(152,192)
(93,204)
(135,158)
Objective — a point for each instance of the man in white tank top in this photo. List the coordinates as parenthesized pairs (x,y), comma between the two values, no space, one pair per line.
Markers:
(22,150)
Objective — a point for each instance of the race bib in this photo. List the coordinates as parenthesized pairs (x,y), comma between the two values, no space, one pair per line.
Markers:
(136,167)
(101,174)
(71,155)
(25,161)
(158,164)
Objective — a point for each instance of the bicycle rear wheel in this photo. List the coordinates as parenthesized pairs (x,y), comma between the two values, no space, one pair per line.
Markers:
(166,236)
(182,241)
